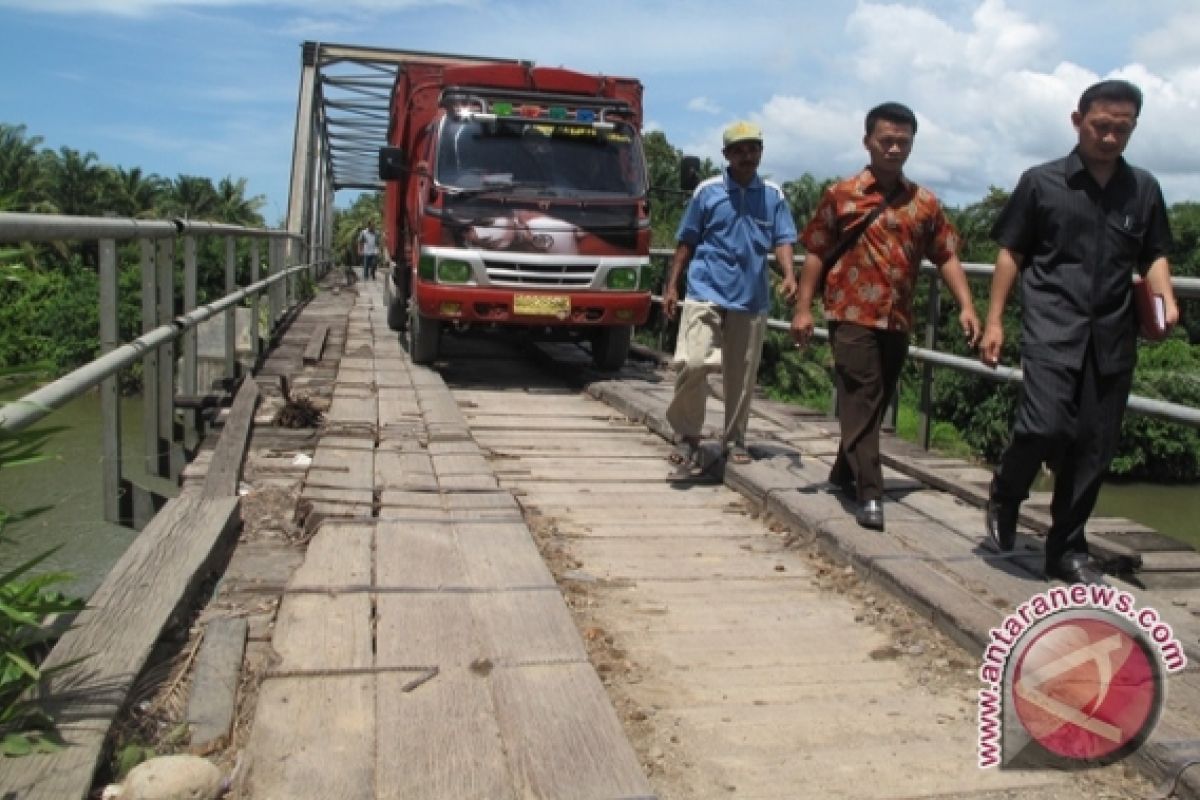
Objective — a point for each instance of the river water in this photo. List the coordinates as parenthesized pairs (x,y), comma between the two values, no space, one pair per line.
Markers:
(62,495)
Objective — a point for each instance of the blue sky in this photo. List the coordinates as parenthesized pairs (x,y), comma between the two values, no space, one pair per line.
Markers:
(208,87)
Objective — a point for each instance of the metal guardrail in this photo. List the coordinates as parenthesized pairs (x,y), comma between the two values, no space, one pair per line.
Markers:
(930,357)
(161,329)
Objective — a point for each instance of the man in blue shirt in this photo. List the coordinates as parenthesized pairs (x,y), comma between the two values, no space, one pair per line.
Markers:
(733,222)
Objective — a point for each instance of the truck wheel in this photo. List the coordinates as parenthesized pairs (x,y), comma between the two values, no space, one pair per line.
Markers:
(397,314)
(610,346)
(423,334)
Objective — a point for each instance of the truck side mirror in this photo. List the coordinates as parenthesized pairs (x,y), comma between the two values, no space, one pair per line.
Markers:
(391,163)
(689,173)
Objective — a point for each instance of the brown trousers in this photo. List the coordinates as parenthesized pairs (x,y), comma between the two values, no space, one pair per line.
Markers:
(866,364)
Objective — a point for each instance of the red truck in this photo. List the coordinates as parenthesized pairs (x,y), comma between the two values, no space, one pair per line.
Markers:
(516,196)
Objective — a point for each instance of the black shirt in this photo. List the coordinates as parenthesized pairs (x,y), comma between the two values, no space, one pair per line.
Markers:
(1081,245)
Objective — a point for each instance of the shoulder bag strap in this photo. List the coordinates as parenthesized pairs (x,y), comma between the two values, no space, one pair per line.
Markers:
(852,236)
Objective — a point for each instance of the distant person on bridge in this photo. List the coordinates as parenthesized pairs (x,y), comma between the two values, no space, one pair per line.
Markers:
(1075,230)
(732,223)
(868,237)
(368,249)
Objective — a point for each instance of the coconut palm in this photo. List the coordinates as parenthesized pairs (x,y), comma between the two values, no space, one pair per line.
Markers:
(22,183)
(192,197)
(75,181)
(131,193)
(234,207)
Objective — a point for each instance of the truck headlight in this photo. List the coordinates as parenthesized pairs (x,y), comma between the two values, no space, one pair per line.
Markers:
(453,271)
(622,278)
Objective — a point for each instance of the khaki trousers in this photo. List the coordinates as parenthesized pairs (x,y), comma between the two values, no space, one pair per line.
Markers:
(712,339)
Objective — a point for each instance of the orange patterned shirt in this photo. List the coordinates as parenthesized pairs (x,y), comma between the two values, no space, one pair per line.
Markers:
(872,284)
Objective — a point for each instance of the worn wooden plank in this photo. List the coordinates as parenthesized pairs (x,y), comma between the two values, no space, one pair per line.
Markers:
(225,469)
(501,555)
(440,741)
(342,469)
(562,735)
(312,737)
(316,344)
(524,627)
(157,575)
(324,631)
(213,696)
(418,554)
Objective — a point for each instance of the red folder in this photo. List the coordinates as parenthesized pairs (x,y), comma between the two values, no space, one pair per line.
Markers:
(1151,311)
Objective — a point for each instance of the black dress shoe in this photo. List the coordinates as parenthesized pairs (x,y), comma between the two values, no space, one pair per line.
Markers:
(870,515)
(1001,521)
(1076,568)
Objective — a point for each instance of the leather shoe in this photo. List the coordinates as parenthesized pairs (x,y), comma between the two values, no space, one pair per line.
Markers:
(1001,521)
(1076,568)
(870,514)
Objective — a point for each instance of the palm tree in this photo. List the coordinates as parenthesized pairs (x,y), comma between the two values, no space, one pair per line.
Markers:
(130,193)
(192,197)
(234,207)
(75,181)
(803,195)
(22,182)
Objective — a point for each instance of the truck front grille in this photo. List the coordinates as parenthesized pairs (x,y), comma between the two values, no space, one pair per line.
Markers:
(508,273)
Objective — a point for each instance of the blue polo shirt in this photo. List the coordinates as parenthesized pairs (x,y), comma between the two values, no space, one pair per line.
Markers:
(734,229)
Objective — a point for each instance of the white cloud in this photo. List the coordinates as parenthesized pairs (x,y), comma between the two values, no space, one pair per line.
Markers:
(991,94)
(1173,46)
(704,105)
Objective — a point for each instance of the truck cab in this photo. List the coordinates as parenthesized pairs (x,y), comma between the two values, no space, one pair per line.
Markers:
(516,196)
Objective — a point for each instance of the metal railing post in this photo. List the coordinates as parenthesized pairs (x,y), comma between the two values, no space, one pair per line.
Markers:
(255,304)
(110,390)
(230,314)
(188,380)
(274,298)
(150,384)
(170,454)
(925,420)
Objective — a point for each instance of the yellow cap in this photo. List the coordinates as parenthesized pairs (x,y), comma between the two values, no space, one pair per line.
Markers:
(742,131)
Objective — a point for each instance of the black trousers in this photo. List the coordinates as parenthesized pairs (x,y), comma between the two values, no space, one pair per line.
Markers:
(1070,419)
(866,366)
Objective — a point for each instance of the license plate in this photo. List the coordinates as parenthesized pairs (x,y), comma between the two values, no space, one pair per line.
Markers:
(542,305)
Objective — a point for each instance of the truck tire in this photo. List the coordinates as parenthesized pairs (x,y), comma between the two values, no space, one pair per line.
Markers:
(423,334)
(397,314)
(610,346)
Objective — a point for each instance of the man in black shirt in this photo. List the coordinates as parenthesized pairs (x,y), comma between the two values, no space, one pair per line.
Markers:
(1075,230)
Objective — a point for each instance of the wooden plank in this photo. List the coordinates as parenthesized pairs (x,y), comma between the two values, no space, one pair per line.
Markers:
(156,576)
(324,632)
(225,469)
(524,627)
(562,735)
(316,344)
(312,737)
(501,555)
(418,555)
(213,696)
(440,741)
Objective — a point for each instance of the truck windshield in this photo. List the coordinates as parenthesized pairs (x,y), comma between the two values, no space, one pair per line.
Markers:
(555,160)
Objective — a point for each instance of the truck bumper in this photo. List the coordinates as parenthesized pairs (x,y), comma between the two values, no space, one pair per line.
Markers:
(534,308)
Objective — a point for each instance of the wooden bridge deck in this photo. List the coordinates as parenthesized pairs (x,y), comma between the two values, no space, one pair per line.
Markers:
(480,581)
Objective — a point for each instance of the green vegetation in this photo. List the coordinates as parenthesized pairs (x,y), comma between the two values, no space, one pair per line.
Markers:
(29,608)
(48,293)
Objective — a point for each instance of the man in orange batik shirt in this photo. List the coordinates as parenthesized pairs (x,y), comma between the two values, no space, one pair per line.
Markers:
(869,290)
